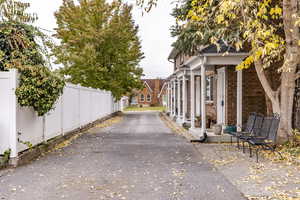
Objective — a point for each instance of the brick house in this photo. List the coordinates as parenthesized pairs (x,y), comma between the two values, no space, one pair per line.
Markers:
(205,88)
(153,93)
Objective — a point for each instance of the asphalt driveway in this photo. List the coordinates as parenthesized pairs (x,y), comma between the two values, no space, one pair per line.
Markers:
(137,159)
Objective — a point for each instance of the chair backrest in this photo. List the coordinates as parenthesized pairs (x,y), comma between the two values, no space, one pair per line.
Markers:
(257,124)
(250,122)
(265,128)
(274,128)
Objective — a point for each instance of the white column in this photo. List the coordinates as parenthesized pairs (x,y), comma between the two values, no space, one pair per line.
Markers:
(239,109)
(174,97)
(198,96)
(203,99)
(171,97)
(179,100)
(192,100)
(168,92)
(184,99)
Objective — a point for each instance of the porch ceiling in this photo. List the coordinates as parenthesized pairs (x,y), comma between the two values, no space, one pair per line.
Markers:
(221,59)
(213,59)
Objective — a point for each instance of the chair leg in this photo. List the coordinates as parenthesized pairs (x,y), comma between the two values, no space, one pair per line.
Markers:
(256,152)
(250,151)
(231,140)
(238,142)
(274,150)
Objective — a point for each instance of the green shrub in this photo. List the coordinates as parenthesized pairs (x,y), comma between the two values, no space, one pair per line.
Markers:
(39,88)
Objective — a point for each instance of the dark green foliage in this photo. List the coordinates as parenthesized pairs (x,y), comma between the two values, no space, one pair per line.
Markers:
(15,40)
(39,87)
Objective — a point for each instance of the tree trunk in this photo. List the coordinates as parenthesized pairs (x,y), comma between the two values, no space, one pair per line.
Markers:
(268,105)
(271,94)
(289,69)
(286,109)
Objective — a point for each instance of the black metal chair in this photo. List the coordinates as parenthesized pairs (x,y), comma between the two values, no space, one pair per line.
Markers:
(261,132)
(248,128)
(256,130)
(268,139)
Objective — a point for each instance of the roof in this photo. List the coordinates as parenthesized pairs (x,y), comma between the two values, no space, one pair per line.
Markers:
(173,54)
(151,83)
(209,49)
(162,88)
(162,82)
(221,48)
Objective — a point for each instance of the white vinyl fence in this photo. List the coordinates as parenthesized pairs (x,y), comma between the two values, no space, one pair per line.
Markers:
(78,106)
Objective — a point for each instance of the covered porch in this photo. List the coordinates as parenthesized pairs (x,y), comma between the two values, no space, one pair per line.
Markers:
(179,95)
(206,89)
(216,63)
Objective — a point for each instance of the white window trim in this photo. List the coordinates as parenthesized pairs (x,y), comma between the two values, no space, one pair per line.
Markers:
(147,98)
(210,90)
(142,99)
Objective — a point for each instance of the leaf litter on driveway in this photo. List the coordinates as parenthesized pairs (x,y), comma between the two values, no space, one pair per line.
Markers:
(270,179)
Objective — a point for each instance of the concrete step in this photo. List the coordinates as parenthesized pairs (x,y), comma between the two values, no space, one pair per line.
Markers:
(224,138)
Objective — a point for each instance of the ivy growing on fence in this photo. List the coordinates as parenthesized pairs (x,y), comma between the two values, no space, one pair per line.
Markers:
(39,87)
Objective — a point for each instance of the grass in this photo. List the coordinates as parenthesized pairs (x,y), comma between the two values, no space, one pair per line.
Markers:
(157,108)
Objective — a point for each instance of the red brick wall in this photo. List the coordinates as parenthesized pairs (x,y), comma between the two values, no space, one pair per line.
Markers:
(145,91)
(253,94)
(231,92)
(154,93)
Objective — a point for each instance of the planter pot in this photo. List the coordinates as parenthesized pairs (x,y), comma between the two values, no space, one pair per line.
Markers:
(217,129)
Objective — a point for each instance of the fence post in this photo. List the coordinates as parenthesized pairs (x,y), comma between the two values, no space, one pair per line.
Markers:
(79,105)
(62,112)
(44,128)
(13,136)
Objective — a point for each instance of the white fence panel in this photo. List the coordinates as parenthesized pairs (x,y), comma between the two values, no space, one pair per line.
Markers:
(71,108)
(53,121)
(29,126)
(84,106)
(95,105)
(5,111)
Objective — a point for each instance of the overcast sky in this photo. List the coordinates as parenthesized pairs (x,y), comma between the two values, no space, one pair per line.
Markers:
(154,33)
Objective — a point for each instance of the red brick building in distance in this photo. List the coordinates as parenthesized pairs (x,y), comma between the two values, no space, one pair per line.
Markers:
(153,93)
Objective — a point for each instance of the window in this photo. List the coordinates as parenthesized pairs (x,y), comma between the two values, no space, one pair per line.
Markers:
(142,98)
(148,98)
(209,88)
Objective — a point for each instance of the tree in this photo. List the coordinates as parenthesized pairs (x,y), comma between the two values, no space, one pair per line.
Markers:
(268,29)
(99,46)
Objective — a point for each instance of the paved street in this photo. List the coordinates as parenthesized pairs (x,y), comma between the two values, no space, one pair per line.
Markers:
(137,159)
